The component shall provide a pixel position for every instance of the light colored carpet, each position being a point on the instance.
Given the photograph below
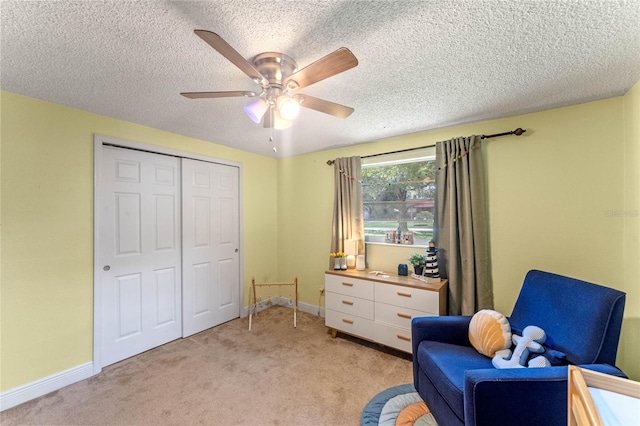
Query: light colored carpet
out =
(273, 375)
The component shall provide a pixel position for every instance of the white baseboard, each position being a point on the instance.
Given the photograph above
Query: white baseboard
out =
(262, 305)
(284, 301)
(24, 393)
(311, 309)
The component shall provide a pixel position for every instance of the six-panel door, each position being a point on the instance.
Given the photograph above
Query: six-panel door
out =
(211, 271)
(140, 252)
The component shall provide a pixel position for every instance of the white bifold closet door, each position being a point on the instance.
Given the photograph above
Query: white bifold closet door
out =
(140, 252)
(210, 231)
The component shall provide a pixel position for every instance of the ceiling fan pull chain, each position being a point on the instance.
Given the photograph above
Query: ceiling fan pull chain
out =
(273, 141)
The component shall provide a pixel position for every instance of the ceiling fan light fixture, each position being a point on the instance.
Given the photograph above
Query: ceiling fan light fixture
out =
(279, 122)
(256, 109)
(277, 74)
(288, 107)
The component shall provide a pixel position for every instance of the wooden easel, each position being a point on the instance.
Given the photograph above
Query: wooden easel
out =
(253, 302)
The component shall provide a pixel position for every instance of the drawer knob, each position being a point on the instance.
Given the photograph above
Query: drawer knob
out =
(348, 321)
(347, 302)
(403, 337)
(347, 284)
(404, 294)
(403, 315)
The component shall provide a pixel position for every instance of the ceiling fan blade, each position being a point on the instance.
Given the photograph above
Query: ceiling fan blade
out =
(267, 120)
(325, 67)
(203, 95)
(321, 105)
(218, 43)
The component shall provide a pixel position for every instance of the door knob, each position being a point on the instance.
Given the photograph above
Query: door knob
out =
(236, 250)
(106, 268)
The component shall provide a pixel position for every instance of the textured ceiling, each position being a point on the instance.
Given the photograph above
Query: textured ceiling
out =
(422, 64)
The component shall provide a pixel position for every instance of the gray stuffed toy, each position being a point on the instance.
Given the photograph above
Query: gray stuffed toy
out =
(530, 342)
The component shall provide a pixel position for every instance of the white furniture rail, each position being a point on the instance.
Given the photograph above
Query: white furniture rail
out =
(597, 399)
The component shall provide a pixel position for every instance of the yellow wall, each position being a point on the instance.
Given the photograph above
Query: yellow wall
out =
(630, 346)
(549, 194)
(47, 229)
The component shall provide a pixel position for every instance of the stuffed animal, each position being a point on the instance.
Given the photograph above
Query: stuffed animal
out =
(530, 342)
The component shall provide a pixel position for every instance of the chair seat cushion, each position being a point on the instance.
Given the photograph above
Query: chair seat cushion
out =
(445, 364)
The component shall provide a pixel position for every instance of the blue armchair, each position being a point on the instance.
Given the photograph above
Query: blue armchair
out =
(461, 387)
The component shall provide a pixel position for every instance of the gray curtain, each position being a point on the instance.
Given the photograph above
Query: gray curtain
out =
(461, 225)
(348, 221)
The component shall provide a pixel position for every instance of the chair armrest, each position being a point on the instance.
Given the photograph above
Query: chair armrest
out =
(520, 396)
(448, 329)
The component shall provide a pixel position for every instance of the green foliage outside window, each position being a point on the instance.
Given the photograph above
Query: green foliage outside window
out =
(399, 196)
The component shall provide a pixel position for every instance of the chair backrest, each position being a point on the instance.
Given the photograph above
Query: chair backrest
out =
(581, 319)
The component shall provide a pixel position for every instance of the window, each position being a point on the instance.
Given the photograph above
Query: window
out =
(399, 196)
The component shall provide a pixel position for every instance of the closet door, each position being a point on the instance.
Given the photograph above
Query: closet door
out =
(211, 271)
(140, 252)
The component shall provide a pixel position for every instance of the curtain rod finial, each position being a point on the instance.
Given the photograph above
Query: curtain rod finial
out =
(330, 162)
(516, 132)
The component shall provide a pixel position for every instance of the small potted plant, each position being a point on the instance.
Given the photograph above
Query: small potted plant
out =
(418, 261)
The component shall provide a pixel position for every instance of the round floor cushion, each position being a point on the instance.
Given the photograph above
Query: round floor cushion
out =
(399, 405)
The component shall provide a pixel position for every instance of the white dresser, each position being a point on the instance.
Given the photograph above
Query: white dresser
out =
(377, 308)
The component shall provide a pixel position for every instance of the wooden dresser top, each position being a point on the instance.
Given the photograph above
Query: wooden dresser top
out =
(391, 279)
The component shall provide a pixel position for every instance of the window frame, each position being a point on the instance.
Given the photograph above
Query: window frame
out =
(419, 155)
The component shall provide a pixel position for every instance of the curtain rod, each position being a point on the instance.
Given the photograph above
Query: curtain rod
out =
(516, 132)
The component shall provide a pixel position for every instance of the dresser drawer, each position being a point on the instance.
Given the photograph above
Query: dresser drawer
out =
(408, 297)
(350, 324)
(394, 337)
(348, 286)
(397, 315)
(349, 305)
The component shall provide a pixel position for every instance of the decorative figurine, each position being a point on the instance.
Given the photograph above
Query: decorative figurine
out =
(403, 270)
(431, 268)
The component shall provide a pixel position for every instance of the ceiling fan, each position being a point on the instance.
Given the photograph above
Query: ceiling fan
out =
(279, 78)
